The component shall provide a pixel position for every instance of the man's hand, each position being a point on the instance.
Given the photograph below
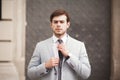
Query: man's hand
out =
(52, 62)
(63, 49)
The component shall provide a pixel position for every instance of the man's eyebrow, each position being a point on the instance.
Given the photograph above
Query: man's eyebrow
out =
(58, 20)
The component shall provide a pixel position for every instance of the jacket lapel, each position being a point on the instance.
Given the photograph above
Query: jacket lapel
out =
(69, 44)
(50, 50)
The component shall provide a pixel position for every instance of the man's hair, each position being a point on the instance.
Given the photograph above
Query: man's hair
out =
(59, 12)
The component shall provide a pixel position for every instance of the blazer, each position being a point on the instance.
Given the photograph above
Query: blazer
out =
(74, 68)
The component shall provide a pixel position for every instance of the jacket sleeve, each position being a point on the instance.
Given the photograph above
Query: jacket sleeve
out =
(36, 69)
(80, 64)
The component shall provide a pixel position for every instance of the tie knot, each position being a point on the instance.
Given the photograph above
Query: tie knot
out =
(60, 41)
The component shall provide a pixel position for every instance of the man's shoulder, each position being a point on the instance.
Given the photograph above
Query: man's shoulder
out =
(46, 41)
(75, 40)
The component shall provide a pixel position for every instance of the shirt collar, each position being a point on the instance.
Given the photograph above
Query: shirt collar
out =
(64, 38)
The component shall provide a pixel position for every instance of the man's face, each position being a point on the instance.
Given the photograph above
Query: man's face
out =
(60, 25)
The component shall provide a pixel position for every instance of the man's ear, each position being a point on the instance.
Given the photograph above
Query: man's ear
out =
(68, 24)
(50, 25)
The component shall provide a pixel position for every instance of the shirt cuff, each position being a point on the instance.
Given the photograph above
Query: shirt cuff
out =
(43, 70)
(68, 56)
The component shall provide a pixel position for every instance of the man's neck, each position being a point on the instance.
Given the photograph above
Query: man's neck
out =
(60, 36)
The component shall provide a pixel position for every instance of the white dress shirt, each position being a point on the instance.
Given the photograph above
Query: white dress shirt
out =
(55, 43)
(55, 50)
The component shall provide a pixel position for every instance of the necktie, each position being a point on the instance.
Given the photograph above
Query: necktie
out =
(59, 52)
(60, 62)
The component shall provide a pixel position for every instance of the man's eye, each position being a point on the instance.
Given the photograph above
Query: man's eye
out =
(61, 21)
(55, 21)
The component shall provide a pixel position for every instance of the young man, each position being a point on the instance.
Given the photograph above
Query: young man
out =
(60, 57)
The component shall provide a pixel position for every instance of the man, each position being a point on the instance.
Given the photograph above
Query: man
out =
(60, 57)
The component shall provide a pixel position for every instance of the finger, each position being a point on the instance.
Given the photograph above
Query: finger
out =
(59, 47)
(55, 61)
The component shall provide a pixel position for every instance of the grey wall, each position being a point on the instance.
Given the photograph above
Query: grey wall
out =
(90, 22)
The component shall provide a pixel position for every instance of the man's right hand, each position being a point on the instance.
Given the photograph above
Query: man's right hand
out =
(52, 62)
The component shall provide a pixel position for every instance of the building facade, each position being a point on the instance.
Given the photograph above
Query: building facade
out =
(18, 38)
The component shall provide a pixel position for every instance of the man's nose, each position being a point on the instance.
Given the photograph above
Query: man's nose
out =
(58, 24)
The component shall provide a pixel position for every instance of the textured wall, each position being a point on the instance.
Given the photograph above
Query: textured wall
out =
(90, 22)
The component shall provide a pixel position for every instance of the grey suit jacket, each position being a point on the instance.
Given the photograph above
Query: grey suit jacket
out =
(76, 67)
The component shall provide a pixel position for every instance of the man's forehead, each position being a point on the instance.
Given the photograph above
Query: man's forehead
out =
(61, 17)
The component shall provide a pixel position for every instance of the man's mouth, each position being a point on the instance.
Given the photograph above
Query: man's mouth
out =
(58, 29)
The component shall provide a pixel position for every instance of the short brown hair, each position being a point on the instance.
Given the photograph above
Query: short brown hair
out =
(58, 13)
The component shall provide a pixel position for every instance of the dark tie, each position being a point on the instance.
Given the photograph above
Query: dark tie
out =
(60, 62)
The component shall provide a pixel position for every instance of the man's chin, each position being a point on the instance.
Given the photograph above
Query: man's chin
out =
(59, 34)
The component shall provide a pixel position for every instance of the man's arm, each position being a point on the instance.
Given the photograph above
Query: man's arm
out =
(36, 69)
(79, 64)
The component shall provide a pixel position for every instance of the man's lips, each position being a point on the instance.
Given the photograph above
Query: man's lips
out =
(58, 29)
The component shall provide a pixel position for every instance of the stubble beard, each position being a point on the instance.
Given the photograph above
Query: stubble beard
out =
(59, 35)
